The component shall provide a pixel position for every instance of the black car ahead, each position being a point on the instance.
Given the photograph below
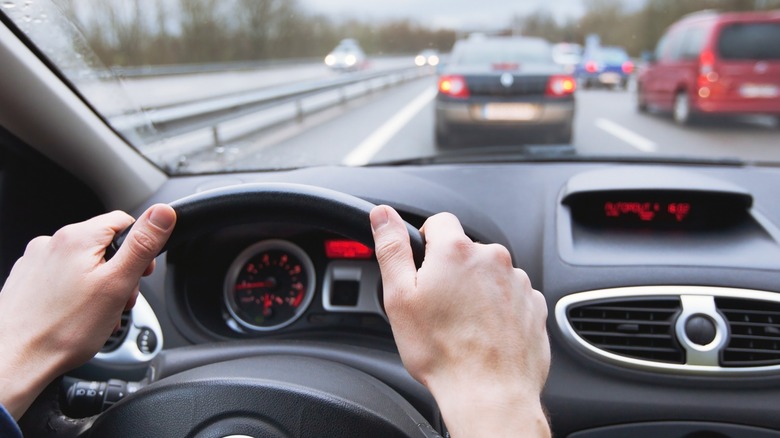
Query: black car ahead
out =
(504, 90)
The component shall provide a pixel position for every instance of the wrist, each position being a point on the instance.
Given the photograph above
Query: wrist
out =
(480, 408)
(24, 373)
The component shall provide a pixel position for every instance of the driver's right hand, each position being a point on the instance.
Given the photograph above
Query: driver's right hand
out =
(468, 326)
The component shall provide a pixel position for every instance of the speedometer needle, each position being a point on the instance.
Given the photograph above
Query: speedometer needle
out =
(254, 285)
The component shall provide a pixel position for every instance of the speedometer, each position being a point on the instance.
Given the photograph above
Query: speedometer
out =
(269, 285)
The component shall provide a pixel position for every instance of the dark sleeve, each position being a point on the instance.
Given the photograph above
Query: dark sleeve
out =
(8, 426)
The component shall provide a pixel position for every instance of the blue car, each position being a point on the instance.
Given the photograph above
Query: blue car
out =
(605, 67)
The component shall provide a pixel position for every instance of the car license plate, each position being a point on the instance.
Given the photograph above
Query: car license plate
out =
(609, 78)
(759, 91)
(510, 111)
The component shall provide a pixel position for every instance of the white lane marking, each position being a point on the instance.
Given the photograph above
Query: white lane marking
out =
(373, 144)
(628, 136)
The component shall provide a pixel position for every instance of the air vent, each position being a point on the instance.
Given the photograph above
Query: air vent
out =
(755, 332)
(635, 328)
(116, 339)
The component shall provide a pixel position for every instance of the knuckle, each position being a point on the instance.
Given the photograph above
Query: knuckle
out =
(143, 244)
(37, 244)
(65, 236)
(462, 245)
(540, 305)
(500, 254)
(524, 280)
(388, 250)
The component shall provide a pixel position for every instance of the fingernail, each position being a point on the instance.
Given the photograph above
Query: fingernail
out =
(161, 218)
(379, 218)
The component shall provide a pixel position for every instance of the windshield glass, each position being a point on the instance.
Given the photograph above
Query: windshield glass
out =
(513, 51)
(750, 41)
(203, 86)
(612, 55)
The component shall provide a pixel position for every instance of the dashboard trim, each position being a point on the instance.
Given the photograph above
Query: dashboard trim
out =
(366, 273)
(128, 353)
(686, 294)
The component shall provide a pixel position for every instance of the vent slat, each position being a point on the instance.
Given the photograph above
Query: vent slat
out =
(624, 335)
(619, 321)
(755, 332)
(774, 338)
(633, 349)
(751, 312)
(755, 351)
(753, 324)
(640, 329)
(115, 340)
(632, 309)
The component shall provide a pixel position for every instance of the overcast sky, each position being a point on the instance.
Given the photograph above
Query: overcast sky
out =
(460, 14)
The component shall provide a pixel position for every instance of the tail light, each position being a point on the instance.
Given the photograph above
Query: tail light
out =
(454, 86)
(591, 67)
(560, 86)
(707, 74)
(706, 62)
(627, 67)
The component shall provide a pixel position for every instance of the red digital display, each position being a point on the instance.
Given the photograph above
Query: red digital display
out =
(648, 211)
(347, 249)
(666, 210)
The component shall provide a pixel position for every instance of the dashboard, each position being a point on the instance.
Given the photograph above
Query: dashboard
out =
(661, 280)
(672, 273)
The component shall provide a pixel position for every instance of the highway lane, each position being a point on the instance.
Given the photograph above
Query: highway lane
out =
(600, 111)
(398, 124)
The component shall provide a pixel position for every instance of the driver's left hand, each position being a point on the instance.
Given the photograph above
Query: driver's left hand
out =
(62, 300)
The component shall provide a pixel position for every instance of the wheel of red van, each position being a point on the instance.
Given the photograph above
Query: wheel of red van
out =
(641, 103)
(681, 111)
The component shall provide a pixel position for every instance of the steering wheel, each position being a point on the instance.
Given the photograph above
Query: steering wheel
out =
(262, 388)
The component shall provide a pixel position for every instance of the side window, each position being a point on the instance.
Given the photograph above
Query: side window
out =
(674, 46)
(660, 49)
(668, 48)
(692, 43)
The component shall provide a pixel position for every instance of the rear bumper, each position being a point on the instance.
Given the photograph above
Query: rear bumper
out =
(466, 122)
(604, 78)
(473, 113)
(769, 106)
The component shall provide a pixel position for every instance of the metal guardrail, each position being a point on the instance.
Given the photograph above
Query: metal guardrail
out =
(174, 132)
(188, 69)
(219, 67)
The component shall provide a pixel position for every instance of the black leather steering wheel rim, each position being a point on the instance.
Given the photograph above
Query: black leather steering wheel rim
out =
(298, 204)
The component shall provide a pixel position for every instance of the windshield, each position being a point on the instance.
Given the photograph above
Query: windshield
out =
(750, 41)
(612, 55)
(205, 86)
(512, 51)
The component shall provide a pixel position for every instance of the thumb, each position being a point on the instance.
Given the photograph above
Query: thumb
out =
(145, 240)
(393, 252)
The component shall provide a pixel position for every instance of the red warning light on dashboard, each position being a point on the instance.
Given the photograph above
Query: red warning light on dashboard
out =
(347, 249)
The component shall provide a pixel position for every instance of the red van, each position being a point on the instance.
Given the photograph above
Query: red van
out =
(715, 63)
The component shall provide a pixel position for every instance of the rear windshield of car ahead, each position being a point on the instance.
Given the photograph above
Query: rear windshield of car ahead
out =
(613, 56)
(504, 53)
(753, 41)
